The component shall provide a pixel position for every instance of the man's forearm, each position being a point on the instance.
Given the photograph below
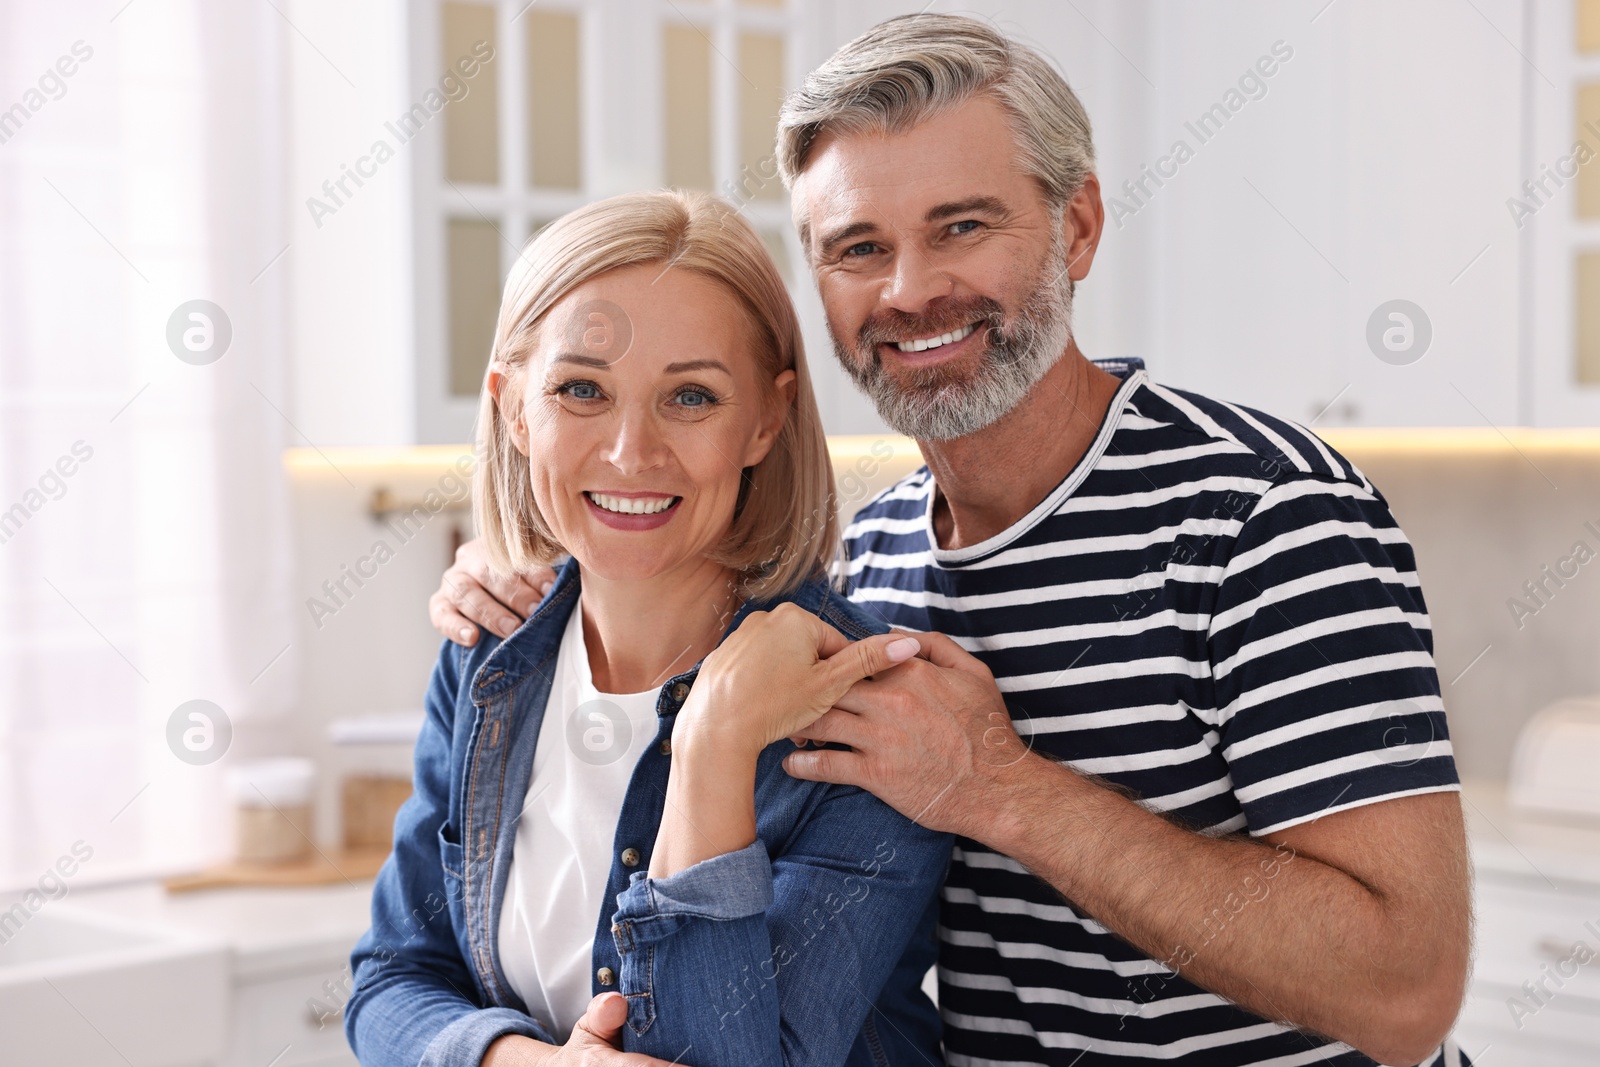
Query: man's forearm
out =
(1277, 932)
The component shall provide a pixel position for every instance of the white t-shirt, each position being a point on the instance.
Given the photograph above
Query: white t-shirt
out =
(588, 745)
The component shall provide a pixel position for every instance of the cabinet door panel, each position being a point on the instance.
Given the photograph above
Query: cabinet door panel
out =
(292, 1021)
(1536, 980)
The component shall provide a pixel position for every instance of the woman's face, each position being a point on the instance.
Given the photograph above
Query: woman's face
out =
(638, 410)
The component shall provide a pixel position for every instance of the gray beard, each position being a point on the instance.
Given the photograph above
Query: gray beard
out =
(939, 404)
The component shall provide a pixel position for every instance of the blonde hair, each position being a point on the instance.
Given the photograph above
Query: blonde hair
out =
(905, 69)
(784, 530)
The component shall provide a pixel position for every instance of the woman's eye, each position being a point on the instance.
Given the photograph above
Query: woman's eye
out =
(695, 398)
(580, 390)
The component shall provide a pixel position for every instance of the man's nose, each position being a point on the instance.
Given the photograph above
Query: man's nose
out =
(638, 445)
(915, 282)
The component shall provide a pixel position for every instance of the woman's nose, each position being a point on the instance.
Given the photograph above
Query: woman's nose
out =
(638, 445)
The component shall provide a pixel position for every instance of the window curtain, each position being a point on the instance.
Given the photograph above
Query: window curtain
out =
(144, 548)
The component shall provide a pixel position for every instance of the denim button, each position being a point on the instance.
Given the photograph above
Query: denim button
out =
(680, 692)
(666, 746)
(630, 857)
(606, 977)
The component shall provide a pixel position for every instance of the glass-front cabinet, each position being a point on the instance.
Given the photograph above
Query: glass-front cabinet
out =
(552, 104)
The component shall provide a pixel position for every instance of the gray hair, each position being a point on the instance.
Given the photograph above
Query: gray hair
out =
(906, 69)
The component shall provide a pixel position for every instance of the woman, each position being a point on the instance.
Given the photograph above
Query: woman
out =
(600, 806)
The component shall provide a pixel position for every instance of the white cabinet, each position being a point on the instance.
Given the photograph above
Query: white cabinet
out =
(1535, 994)
(1536, 984)
(1558, 218)
(291, 1018)
(286, 971)
(1371, 166)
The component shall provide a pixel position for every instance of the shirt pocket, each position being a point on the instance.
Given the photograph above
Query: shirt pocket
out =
(452, 862)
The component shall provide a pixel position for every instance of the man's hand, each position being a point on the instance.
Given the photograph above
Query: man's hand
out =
(1362, 934)
(469, 594)
(928, 738)
(595, 1042)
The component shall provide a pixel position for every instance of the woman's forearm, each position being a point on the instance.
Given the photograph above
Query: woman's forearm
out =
(514, 1050)
(710, 807)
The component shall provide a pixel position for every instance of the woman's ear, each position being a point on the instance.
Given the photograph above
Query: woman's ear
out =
(774, 414)
(508, 401)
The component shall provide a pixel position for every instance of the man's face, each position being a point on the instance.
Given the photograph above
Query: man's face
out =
(942, 267)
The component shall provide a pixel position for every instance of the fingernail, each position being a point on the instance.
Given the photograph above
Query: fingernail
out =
(903, 649)
(544, 590)
(508, 625)
(466, 633)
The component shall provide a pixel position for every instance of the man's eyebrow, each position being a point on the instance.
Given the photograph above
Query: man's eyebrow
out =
(985, 205)
(844, 233)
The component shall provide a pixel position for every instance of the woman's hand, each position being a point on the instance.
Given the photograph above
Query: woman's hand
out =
(595, 1042)
(776, 675)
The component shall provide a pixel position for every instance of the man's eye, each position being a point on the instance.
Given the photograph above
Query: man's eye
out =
(964, 226)
(865, 248)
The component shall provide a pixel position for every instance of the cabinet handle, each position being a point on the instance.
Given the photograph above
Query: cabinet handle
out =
(1554, 950)
(321, 1020)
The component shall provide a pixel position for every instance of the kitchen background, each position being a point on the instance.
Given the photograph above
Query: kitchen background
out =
(250, 256)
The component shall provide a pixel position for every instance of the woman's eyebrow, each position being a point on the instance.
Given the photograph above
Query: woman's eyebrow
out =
(586, 361)
(699, 364)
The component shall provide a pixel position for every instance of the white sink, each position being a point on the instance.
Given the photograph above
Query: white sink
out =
(85, 990)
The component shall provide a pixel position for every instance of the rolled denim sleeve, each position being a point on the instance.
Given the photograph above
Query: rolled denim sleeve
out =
(777, 957)
(731, 886)
(413, 998)
(464, 1042)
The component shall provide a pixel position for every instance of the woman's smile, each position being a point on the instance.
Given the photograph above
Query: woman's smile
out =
(632, 511)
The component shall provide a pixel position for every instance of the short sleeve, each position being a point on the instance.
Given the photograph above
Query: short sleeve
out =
(1322, 657)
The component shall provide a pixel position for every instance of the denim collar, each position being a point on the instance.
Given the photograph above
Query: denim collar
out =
(532, 647)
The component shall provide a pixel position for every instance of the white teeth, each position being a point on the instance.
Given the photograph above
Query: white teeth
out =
(935, 342)
(624, 505)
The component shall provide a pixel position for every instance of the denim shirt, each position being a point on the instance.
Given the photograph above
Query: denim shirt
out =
(806, 948)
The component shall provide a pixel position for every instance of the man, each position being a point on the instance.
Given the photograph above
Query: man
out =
(1186, 720)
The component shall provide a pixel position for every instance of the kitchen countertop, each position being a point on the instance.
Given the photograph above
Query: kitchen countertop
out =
(1510, 842)
(269, 930)
(276, 930)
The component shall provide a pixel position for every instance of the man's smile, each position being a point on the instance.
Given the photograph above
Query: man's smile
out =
(922, 344)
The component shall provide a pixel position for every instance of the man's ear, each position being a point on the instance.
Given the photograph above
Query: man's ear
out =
(508, 401)
(1083, 220)
(774, 414)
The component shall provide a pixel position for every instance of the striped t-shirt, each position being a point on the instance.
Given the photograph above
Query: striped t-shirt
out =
(1214, 610)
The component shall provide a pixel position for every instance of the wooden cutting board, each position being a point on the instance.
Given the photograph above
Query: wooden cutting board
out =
(324, 867)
